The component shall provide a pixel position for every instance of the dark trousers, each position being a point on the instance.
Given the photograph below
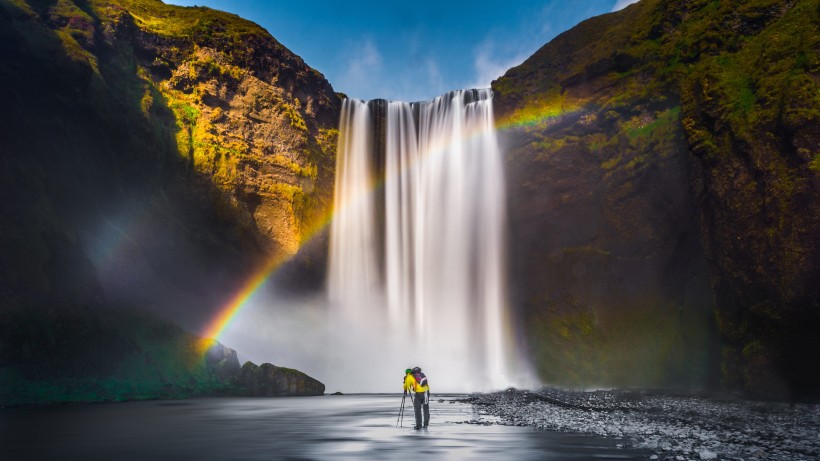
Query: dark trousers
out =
(421, 401)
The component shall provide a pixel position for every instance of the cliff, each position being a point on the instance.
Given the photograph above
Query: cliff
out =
(79, 355)
(663, 166)
(190, 132)
(268, 380)
(152, 156)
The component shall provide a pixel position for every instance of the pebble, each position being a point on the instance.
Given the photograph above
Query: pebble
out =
(673, 426)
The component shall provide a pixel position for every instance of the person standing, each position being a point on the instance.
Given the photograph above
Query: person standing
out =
(416, 383)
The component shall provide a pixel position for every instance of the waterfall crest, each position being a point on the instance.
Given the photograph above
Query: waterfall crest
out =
(416, 269)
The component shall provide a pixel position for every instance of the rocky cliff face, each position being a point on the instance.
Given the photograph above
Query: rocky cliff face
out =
(250, 115)
(151, 156)
(663, 172)
(184, 136)
(268, 380)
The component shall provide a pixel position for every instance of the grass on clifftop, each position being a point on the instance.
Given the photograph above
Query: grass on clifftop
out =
(189, 22)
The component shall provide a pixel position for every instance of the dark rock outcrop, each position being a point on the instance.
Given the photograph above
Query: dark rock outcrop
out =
(664, 176)
(222, 361)
(268, 380)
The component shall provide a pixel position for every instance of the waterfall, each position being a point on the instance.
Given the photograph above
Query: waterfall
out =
(416, 268)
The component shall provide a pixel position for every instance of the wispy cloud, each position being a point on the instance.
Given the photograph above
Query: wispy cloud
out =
(434, 77)
(491, 61)
(416, 63)
(502, 49)
(621, 4)
(363, 64)
(418, 82)
(369, 74)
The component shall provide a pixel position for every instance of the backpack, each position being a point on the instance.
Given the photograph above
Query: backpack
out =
(421, 380)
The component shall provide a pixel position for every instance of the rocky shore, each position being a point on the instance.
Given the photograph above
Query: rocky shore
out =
(674, 426)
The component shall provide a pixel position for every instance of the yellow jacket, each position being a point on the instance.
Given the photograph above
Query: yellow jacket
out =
(410, 384)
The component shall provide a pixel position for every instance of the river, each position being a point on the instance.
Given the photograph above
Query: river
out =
(349, 427)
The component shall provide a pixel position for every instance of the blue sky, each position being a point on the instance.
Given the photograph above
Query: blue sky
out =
(412, 50)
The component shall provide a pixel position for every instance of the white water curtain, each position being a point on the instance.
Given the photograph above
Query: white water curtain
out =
(435, 295)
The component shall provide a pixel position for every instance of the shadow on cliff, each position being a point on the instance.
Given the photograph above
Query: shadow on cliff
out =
(688, 172)
(103, 214)
(606, 268)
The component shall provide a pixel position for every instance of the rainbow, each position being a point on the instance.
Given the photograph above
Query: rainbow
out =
(526, 117)
(257, 280)
(246, 292)
(535, 115)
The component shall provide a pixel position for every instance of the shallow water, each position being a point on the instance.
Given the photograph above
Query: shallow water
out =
(350, 427)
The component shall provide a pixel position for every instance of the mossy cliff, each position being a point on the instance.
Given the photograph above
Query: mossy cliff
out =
(82, 355)
(150, 102)
(663, 166)
(151, 156)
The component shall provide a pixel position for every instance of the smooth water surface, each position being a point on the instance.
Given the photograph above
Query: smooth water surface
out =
(350, 427)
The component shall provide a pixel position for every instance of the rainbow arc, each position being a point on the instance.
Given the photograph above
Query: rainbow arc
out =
(527, 117)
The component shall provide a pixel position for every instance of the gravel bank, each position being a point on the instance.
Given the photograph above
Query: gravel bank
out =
(676, 427)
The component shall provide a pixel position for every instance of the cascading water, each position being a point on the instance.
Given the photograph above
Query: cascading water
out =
(416, 272)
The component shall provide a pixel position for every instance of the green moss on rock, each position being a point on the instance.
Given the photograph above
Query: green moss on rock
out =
(728, 93)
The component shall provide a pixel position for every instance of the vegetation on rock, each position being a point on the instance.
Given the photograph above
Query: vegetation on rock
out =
(77, 355)
(151, 154)
(668, 130)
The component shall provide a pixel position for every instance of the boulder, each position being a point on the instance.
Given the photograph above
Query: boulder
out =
(268, 380)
